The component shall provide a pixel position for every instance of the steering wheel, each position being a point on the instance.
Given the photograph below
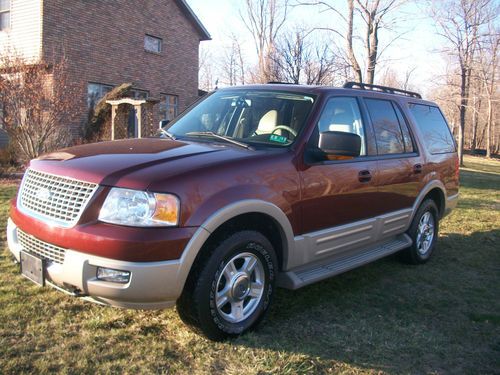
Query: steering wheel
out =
(284, 127)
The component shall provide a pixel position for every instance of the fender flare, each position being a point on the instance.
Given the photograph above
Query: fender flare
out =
(220, 217)
(426, 189)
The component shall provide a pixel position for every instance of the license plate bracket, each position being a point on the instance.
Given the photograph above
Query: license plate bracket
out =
(33, 268)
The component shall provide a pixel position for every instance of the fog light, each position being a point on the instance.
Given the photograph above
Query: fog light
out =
(114, 276)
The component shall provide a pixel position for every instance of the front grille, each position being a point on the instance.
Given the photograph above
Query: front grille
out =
(43, 249)
(59, 199)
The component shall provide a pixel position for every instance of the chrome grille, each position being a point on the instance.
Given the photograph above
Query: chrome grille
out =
(59, 199)
(43, 249)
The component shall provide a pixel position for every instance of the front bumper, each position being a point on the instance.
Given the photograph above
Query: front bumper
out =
(152, 285)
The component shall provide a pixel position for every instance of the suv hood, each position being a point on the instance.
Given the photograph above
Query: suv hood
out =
(114, 163)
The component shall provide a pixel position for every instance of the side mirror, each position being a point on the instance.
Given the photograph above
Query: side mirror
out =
(334, 143)
(163, 123)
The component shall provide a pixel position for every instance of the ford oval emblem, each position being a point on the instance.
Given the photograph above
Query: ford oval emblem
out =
(44, 194)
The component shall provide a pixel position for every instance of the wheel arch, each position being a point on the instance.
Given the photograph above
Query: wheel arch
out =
(250, 214)
(434, 190)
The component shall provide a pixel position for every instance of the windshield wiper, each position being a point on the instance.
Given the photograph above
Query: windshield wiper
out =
(222, 137)
(166, 133)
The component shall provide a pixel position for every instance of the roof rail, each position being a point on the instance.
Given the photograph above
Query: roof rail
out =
(279, 83)
(388, 90)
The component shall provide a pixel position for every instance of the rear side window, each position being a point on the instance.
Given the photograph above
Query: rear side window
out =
(435, 131)
(386, 126)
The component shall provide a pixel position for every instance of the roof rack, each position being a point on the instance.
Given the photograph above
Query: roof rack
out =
(279, 83)
(388, 90)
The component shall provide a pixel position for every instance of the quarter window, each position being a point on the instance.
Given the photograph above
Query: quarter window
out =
(169, 106)
(388, 133)
(152, 44)
(436, 134)
(342, 114)
(4, 15)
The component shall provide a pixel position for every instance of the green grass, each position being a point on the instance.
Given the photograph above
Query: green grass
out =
(386, 317)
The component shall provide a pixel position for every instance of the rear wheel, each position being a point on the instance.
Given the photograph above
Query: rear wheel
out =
(423, 232)
(230, 288)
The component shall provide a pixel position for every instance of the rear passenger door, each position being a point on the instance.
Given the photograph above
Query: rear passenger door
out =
(399, 164)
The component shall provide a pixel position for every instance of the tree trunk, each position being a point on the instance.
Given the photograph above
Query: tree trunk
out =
(463, 109)
(350, 48)
(372, 51)
(488, 129)
(473, 142)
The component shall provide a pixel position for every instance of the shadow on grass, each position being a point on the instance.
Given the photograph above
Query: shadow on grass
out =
(440, 317)
(479, 180)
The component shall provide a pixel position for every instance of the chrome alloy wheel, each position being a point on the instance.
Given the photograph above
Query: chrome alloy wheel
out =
(240, 287)
(425, 233)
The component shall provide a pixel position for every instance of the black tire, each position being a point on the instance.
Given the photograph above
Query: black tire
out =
(197, 305)
(417, 253)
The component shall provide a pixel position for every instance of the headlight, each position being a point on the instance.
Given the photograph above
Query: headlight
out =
(140, 208)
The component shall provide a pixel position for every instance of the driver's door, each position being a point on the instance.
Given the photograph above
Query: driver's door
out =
(339, 196)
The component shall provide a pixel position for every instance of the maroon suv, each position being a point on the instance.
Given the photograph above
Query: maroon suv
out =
(254, 187)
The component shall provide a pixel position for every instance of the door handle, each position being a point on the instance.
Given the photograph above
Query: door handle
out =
(364, 176)
(417, 168)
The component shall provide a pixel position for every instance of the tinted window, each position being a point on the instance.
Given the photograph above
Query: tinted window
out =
(430, 120)
(343, 115)
(265, 117)
(386, 126)
(404, 129)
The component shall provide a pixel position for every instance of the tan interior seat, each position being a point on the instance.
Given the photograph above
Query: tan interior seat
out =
(268, 122)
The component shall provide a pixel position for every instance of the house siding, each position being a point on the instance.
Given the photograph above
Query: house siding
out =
(24, 37)
(104, 43)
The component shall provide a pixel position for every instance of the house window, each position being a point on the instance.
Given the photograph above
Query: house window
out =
(169, 106)
(95, 91)
(4, 15)
(139, 94)
(152, 44)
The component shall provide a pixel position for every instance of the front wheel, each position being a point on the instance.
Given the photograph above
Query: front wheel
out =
(423, 232)
(230, 288)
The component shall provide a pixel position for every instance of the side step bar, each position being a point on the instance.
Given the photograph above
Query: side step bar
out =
(305, 276)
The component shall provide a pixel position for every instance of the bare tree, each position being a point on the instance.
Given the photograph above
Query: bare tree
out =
(393, 79)
(206, 69)
(233, 67)
(460, 22)
(323, 67)
(488, 57)
(374, 14)
(38, 103)
(293, 54)
(264, 19)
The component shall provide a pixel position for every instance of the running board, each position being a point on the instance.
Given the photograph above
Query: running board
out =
(305, 276)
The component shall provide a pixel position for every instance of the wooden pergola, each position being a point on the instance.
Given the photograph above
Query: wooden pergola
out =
(143, 117)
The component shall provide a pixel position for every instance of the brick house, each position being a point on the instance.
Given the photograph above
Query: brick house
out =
(153, 44)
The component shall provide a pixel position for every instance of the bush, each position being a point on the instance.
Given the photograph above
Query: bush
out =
(38, 103)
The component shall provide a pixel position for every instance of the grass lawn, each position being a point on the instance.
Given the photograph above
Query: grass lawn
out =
(387, 317)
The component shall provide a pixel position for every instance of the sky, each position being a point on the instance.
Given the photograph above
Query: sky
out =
(416, 46)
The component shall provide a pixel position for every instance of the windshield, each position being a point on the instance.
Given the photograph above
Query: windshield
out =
(250, 116)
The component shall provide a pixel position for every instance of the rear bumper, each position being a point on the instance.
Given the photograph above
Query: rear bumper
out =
(152, 285)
